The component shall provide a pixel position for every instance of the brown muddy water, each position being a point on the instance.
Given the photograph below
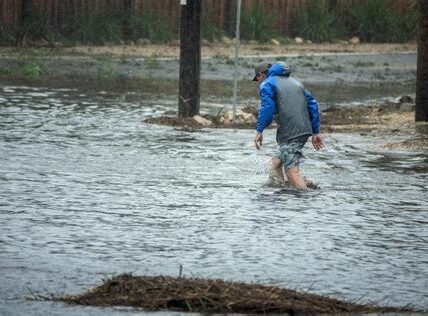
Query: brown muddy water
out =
(87, 190)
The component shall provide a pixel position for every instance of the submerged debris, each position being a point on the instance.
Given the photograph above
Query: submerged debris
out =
(244, 118)
(395, 118)
(211, 296)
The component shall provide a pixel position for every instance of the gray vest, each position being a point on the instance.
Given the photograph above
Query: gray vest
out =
(292, 114)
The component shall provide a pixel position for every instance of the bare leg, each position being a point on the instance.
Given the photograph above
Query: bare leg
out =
(295, 179)
(277, 168)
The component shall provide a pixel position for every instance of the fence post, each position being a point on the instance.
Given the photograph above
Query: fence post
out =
(190, 57)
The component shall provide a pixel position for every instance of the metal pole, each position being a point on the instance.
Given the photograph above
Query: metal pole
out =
(235, 76)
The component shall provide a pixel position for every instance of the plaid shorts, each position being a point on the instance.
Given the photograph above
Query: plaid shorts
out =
(291, 152)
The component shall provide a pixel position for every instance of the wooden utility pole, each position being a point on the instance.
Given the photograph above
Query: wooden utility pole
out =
(190, 57)
(421, 109)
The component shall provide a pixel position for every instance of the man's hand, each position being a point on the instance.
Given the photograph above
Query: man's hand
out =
(258, 140)
(317, 142)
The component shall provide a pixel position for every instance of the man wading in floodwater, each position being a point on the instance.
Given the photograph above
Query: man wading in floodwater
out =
(297, 117)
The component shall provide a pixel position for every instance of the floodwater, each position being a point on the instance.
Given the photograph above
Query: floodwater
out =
(87, 190)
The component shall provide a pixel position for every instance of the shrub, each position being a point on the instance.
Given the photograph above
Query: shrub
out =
(209, 31)
(378, 21)
(316, 23)
(37, 25)
(99, 29)
(6, 35)
(154, 26)
(257, 24)
(371, 20)
(407, 21)
(31, 70)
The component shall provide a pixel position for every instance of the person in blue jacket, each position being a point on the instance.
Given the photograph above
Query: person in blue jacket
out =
(297, 116)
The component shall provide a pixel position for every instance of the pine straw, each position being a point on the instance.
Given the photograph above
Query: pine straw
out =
(211, 296)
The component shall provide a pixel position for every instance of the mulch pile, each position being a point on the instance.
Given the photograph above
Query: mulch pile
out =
(211, 296)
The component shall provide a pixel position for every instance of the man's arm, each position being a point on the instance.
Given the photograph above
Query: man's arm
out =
(314, 116)
(266, 112)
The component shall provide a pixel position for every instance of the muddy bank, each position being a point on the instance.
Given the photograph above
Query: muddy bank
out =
(390, 119)
(313, 64)
(213, 296)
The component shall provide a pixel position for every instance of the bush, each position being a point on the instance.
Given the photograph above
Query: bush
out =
(407, 24)
(31, 70)
(154, 26)
(99, 29)
(209, 31)
(370, 20)
(257, 24)
(37, 25)
(316, 23)
(378, 21)
(6, 35)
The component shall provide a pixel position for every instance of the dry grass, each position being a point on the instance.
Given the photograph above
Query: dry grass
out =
(220, 49)
(211, 296)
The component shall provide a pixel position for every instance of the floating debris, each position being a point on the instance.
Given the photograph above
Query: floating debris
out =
(155, 293)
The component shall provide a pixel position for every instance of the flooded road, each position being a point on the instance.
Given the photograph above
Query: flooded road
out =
(88, 190)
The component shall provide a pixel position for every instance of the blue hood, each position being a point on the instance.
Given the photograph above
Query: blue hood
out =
(279, 69)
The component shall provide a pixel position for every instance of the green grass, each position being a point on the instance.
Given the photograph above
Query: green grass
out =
(105, 69)
(152, 63)
(31, 70)
(5, 71)
(363, 64)
(262, 48)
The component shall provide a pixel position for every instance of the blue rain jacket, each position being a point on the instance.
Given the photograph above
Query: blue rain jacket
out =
(285, 96)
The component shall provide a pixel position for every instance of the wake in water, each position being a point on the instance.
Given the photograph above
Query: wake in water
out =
(263, 165)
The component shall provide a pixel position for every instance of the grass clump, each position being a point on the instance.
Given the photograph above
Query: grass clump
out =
(210, 31)
(106, 70)
(99, 29)
(316, 23)
(370, 20)
(7, 36)
(258, 24)
(378, 21)
(153, 26)
(31, 66)
(31, 70)
(152, 63)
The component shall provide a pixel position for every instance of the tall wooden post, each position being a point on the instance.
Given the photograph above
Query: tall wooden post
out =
(190, 57)
(421, 110)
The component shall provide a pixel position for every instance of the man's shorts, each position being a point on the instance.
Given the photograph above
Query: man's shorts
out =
(291, 152)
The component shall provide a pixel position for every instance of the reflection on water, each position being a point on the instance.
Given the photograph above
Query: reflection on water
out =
(88, 190)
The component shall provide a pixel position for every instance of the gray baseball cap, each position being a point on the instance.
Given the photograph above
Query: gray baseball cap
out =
(262, 67)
